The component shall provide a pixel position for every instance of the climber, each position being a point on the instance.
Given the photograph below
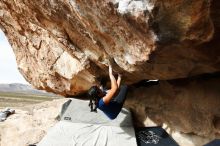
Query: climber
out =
(108, 101)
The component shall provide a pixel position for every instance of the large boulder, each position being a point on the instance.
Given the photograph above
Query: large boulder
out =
(64, 46)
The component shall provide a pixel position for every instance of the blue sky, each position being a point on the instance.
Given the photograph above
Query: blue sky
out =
(8, 67)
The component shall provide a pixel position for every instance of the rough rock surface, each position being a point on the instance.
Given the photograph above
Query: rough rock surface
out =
(190, 106)
(64, 46)
(29, 124)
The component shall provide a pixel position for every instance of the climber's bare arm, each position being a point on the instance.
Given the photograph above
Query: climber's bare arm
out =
(119, 80)
(113, 89)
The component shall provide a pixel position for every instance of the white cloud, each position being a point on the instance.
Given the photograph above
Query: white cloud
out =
(8, 67)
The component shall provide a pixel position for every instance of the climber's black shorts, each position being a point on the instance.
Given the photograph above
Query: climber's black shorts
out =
(120, 98)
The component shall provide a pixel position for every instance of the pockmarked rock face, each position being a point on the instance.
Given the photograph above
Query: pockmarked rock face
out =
(64, 46)
(186, 105)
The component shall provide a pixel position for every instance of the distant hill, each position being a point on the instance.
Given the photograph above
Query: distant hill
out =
(22, 88)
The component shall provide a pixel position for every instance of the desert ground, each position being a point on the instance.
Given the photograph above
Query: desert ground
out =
(19, 100)
(34, 115)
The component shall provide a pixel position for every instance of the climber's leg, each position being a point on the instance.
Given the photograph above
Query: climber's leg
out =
(120, 98)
